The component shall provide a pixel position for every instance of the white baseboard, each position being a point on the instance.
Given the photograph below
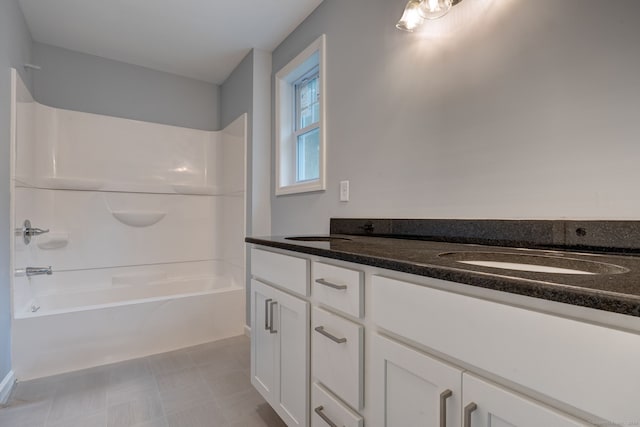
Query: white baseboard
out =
(6, 386)
(247, 330)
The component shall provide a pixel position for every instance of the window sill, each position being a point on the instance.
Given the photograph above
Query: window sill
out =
(305, 187)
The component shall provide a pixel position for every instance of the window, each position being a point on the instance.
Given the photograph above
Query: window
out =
(307, 128)
(300, 147)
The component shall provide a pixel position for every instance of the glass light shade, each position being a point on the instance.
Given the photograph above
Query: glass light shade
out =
(434, 9)
(411, 18)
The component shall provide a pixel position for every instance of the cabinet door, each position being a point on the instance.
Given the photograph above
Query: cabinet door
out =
(280, 351)
(488, 405)
(263, 342)
(412, 389)
(291, 321)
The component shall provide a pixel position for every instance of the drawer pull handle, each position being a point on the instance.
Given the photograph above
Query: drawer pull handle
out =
(467, 413)
(326, 419)
(443, 407)
(271, 305)
(331, 285)
(266, 314)
(333, 338)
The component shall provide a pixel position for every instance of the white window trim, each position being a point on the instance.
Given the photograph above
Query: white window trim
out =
(285, 116)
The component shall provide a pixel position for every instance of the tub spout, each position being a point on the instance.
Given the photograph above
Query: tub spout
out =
(37, 271)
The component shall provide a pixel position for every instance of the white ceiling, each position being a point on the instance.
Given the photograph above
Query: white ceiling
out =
(200, 39)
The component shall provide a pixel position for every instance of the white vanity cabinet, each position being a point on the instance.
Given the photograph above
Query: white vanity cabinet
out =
(361, 346)
(280, 340)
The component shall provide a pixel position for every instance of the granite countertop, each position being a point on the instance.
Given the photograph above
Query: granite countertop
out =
(616, 290)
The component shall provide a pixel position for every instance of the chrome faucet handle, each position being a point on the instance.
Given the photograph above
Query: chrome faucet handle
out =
(27, 231)
(36, 231)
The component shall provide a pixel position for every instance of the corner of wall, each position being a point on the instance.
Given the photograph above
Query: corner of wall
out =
(261, 144)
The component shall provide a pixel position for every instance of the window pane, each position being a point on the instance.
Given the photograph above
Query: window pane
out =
(308, 102)
(308, 156)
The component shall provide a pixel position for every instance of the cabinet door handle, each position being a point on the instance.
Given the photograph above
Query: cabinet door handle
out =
(467, 413)
(266, 314)
(271, 305)
(443, 406)
(333, 338)
(331, 285)
(326, 419)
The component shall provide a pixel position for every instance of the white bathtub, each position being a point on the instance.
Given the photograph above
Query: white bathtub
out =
(84, 328)
(117, 295)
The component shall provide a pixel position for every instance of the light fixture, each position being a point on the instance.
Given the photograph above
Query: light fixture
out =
(434, 9)
(411, 18)
(417, 11)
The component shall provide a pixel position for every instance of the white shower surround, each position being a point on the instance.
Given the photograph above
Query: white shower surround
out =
(147, 224)
(82, 151)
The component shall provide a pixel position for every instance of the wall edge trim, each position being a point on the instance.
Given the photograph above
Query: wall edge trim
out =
(6, 386)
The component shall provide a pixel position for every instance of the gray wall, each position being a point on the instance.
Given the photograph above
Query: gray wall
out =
(248, 90)
(236, 93)
(502, 109)
(15, 50)
(76, 81)
(261, 145)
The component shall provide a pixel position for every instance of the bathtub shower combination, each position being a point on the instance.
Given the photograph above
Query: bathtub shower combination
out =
(142, 225)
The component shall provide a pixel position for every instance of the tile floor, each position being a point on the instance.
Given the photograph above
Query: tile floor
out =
(203, 386)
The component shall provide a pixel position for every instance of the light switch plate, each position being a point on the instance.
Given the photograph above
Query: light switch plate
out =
(344, 191)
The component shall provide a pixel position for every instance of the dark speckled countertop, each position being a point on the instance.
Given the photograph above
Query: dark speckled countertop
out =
(616, 291)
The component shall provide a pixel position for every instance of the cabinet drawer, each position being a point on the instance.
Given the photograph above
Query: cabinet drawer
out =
(333, 411)
(337, 355)
(288, 272)
(339, 288)
(557, 357)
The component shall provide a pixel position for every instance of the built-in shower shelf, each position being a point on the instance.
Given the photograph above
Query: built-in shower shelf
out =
(59, 183)
(70, 183)
(138, 218)
(195, 189)
(207, 190)
(53, 240)
(82, 184)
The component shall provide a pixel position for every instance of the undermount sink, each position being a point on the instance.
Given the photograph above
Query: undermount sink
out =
(534, 263)
(316, 238)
